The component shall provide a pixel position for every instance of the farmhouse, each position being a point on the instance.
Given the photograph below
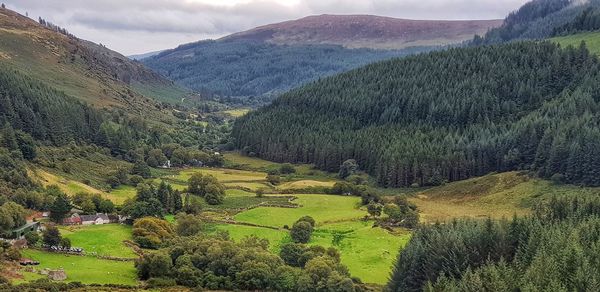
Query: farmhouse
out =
(94, 219)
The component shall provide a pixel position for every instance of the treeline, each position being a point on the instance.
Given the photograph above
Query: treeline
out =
(258, 70)
(443, 116)
(43, 112)
(55, 28)
(588, 20)
(537, 19)
(48, 115)
(219, 263)
(556, 249)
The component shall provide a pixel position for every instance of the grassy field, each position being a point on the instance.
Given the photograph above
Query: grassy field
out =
(592, 41)
(105, 240)
(233, 203)
(306, 171)
(237, 232)
(323, 208)
(72, 187)
(236, 113)
(301, 184)
(85, 269)
(222, 174)
(253, 186)
(122, 193)
(368, 252)
(495, 195)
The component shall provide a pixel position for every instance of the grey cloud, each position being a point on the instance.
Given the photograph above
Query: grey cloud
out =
(136, 26)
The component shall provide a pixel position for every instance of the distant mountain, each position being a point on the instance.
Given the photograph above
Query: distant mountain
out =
(367, 31)
(144, 56)
(82, 69)
(256, 65)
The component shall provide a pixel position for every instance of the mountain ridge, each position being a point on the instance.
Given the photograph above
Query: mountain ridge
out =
(254, 66)
(366, 31)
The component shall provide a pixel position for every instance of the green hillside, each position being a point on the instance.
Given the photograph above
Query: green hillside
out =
(81, 69)
(442, 116)
(591, 39)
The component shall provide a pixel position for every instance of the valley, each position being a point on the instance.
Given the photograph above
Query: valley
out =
(331, 152)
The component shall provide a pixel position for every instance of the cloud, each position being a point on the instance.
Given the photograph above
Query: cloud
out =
(137, 26)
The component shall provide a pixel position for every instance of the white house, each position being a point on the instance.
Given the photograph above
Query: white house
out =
(97, 219)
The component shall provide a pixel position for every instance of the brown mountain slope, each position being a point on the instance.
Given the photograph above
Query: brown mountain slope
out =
(367, 31)
(80, 68)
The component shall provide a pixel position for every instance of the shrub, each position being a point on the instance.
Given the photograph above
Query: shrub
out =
(291, 252)
(287, 168)
(32, 238)
(134, 180)
(188, 225)
(65, 242)
(51, 236)
(160, 282)
(149, 232)
(208, 187)
(13, 254)
(301, 232)
(308, 219)
(274, 179)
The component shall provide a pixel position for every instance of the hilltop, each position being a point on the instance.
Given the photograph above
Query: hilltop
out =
(367, 31)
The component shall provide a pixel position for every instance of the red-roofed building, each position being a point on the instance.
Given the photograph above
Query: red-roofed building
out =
(75, 220)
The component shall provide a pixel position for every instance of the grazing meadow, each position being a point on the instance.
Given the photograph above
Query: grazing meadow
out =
(84, 269)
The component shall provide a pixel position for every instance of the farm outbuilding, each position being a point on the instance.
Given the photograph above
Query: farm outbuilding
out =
(19, 233)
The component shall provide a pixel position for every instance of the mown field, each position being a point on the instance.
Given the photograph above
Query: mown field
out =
(84, 269)
(104, 240)
(323, 208)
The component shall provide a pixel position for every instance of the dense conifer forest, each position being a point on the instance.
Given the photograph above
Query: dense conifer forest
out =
(43, 112)
(255, 69)
(556, 249)
(443, 116)
(537, 19)
(588, 20)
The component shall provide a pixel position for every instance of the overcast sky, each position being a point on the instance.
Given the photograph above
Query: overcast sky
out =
(140, 26)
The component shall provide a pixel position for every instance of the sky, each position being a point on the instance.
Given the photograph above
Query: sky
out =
(141, 26)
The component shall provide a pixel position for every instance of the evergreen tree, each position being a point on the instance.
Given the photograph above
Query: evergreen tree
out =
(60, 208)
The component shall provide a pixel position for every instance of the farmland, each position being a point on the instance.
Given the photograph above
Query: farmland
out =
(84, 269)
(104, 240)
(368, 252)
(323, 208)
